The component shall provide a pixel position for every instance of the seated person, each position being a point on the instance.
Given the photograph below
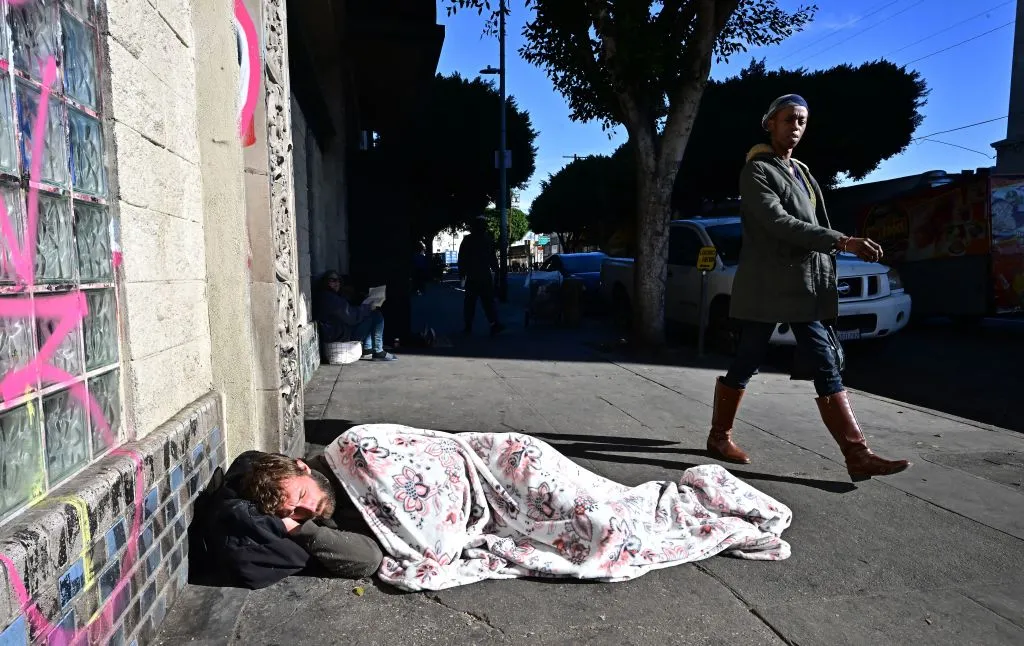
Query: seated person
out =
(340, 320)
(271, 516)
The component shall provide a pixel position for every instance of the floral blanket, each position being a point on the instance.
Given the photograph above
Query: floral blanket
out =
(456, 509)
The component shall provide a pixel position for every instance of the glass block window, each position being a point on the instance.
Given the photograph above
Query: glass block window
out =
(60, 387)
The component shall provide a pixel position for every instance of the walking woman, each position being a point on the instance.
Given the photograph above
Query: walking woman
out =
(787, 274)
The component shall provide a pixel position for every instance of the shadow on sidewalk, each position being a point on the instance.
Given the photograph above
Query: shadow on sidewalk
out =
(320, 433)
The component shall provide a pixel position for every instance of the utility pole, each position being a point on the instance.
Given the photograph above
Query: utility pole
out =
(1010, 151)
(502, 162)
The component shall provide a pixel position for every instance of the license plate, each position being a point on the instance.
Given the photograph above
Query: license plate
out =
(848, 335)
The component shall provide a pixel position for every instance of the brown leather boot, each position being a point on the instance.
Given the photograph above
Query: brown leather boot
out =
(861, 463)
(720, 444)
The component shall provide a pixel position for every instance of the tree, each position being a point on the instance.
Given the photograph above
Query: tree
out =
(518, 224)
(451, 152)
(586, 201)
(842, 136)
(644, 64)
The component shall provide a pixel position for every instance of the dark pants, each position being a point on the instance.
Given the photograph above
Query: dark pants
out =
(482, 289)
(811, 338)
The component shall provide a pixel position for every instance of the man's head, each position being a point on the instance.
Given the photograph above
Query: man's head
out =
(332, 280)
(288, 488)
(786, 121)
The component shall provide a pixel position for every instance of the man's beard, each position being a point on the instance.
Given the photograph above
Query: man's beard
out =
(327, 504)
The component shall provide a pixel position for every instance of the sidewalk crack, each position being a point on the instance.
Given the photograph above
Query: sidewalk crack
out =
(482, 618)
(746, 604)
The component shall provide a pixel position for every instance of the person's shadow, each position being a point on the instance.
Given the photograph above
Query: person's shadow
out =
(597, 447)
(320, 433)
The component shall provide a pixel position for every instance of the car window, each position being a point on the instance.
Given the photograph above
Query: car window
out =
(583, 263)
(683, 246)
(728, 240)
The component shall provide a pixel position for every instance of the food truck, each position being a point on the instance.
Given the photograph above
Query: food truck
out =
(958, 243)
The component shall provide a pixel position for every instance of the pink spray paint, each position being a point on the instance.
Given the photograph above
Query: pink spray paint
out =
(68, 310)
(246, 129)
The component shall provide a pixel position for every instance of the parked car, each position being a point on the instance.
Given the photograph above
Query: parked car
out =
(584, 266)
(872, 301)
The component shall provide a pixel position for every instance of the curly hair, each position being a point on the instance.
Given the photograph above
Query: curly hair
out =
(262, 484)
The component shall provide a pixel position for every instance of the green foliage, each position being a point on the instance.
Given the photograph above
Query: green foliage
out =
(595, 51)
(859, 116)
(518, 225)
(451, 152)
(644, 64)
(588, 200)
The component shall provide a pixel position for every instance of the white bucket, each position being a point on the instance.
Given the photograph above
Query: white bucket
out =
(343, 352)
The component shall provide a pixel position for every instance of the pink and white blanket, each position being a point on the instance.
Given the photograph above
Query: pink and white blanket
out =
(456, 509)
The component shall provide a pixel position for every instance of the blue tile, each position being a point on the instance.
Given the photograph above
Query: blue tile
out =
(175, 560)
(108, 580)
(64, 632)
(116, 538)
(197, 454)
(16, 634)
(153, 560)
(171, 511)
(152, 502)
(146, 540)
(215, 436)
(116, 637)
(148, 597)
(71, 583)
(134, 643)
(177, 478)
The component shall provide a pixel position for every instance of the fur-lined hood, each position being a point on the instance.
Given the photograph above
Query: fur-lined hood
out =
(765, 150)
(760, 149)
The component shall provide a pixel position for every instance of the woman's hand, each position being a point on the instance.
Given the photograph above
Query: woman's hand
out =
(864, 248)
(291, 525)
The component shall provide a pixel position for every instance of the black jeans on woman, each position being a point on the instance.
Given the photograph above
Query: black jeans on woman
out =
(811, 338)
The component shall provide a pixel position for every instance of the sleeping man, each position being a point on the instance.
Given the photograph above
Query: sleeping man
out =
(271, 516)
(452, 509)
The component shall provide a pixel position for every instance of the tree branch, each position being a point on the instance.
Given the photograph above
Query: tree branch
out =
(635, 121)
(711, 18)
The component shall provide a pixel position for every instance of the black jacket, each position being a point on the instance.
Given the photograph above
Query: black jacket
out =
(231, 542)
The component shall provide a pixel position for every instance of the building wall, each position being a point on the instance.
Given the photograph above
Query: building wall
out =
(307, 165)
(164, 298)
(101, 556)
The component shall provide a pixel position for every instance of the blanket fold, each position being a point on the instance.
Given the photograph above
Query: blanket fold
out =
(456, 509)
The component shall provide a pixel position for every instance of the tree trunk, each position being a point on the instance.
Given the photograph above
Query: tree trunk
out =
(654, 196)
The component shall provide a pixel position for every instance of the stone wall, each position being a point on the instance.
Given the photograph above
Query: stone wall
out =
(152, 102)
(103, 558)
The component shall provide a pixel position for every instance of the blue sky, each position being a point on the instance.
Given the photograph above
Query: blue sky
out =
(969, 82)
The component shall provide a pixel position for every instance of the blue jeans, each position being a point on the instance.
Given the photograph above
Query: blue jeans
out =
(812, 338)
(371, 332)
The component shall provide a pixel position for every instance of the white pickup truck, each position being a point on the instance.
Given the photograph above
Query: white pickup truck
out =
(872, 302)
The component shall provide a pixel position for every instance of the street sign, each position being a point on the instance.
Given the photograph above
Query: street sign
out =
(706, 258)
(543, 240)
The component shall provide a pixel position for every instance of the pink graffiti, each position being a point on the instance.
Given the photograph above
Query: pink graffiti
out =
(67, 311)
(246, 125)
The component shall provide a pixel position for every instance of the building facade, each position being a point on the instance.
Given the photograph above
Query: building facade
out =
(173, 174)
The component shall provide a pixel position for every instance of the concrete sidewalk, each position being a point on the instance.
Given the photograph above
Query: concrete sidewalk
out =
(930, 556)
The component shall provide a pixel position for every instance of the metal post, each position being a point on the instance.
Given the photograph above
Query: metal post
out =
(702, 321)
(502, 163)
